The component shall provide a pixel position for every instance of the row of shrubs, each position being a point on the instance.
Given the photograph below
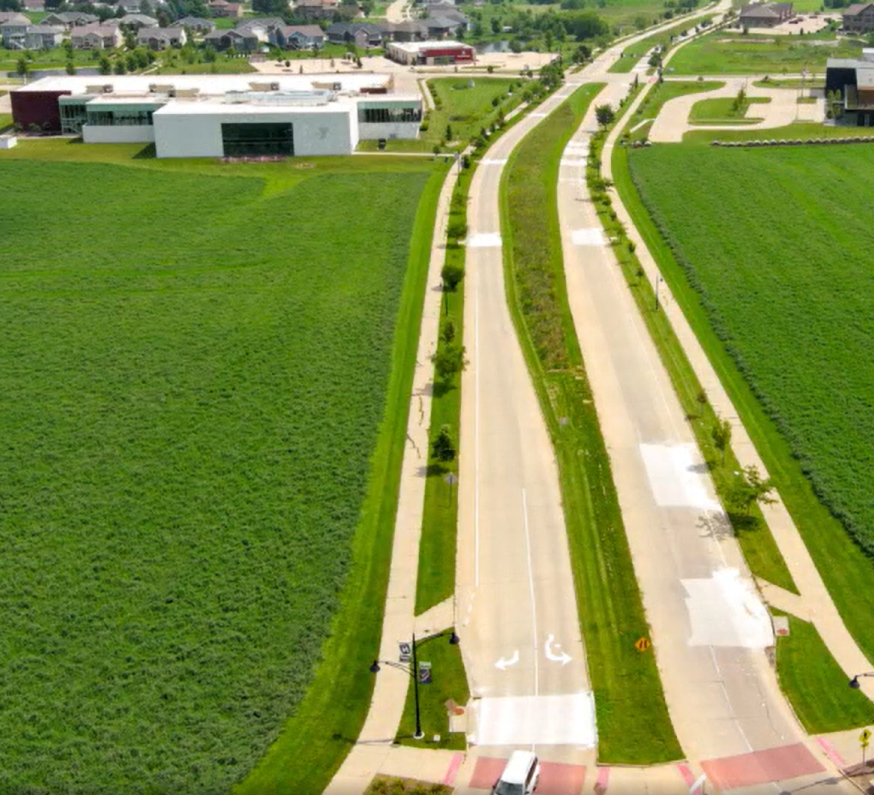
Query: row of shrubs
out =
(866, 139)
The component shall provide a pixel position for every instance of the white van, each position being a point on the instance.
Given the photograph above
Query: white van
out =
(519, 776)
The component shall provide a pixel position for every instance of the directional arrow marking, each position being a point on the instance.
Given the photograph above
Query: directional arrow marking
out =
(563, 657)
(505, 664)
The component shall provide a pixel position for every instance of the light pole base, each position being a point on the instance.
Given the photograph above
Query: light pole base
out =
(419, 736)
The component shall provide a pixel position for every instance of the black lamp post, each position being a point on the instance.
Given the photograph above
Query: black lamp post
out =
(414, 672)
(855, 683)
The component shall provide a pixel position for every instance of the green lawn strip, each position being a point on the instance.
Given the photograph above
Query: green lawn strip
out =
(791, 82)
(816, 686)
(758, 545)
(5, 121)
(448, 683)
(634, 52)
(655, 99)
(725, 110)
(633, 722)
(437, 546)
(317, 738)
(843, 566)
(804, 131)
(726, 53)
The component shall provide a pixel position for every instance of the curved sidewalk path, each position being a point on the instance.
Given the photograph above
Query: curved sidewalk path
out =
(815, 603)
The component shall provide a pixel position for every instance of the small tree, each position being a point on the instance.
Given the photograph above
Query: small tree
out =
(748, 488)
(701, 397)
(22, 67)
(447, 330)
(605, 115)
(105, 66)
(721, 434)
(448, 361)
(443, 447)
(71, 68)
(452, 274)
(457, 229)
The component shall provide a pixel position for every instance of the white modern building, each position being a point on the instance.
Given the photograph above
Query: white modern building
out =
(222, 115)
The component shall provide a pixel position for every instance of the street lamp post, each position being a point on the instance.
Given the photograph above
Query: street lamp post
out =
(855, 683)
(414, 672)
(658, 281)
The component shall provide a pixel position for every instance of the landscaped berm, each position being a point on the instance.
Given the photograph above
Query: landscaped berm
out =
(201, 409)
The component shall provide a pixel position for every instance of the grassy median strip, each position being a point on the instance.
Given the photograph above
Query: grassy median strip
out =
(815, 685)
(438, 544)
(633, 721)
(316, 740)
(757, 543)
(448, 687)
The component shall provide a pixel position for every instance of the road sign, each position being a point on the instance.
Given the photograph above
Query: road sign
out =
(405, 651)
(864, 737)
(642, 644)
(424, 673)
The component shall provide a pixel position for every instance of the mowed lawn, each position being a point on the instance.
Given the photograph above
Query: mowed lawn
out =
(775, 242)
(193, 374)
(726, 53)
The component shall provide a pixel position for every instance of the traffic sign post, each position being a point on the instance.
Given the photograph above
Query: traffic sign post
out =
(864, 739)
(404, 651)
(424, 673)
(642, 644)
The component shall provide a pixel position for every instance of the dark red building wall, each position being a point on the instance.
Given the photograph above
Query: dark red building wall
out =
(37, 107)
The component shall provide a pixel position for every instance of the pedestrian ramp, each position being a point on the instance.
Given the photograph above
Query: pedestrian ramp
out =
(534, 720)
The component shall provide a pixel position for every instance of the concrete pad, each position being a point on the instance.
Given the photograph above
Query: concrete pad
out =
(537, 720)
(725, 611)
(762, 767)
(674, 477)
(484, 240)
(560, 779)
(495, 162)
(588, 237)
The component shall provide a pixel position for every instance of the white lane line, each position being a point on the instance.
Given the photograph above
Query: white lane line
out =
(531, 591)
(476, 434)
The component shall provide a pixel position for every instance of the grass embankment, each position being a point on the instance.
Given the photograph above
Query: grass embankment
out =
(785, 326)
(791, 82)
(726, 53)
(753, 534)
(633, 721)
(448, 683)
(5, 121)
(816, 686)
(725, 110)
(664, 38)
(438, 544)
(655, 99)
(388, 785)
(187, 486)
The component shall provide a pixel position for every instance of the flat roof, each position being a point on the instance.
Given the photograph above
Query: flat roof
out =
(216, 108)
(210, 85)
(415, 47)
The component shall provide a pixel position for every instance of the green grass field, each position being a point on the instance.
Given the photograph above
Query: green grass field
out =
(190, 431)
(802, 131)
(725, 110)
(783, 324)
(815, 684)
(726, 53)
(633, 721)
(467, 109)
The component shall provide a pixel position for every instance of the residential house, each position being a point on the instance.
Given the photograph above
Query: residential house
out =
(361, 34)
(301, 37)
(240, 40)
(196, 24)
(851, 80)
(69, 19)
(13, 29)
(408, 30)
(43, 37)
(859, 18)
(316, 9)
(161, 38)
(440, 27)
(137, 21)
(96, 37)
(34, 5)
(444, 9)
(765, 15)
(221, 8)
